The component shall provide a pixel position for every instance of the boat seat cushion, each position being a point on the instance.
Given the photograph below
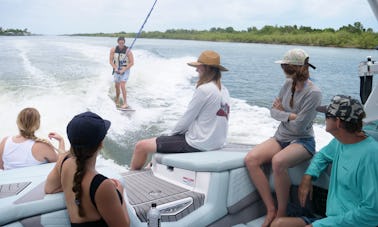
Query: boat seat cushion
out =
(229, 157)
(206, 161)
(32, 200)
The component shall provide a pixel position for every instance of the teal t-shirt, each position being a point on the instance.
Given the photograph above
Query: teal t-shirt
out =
(353, 190)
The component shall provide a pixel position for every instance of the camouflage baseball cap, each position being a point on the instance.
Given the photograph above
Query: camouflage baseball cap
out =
(344, 107)
(295, 57)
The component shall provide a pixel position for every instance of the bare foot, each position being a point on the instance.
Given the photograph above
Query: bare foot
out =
(125, 106)
(270, 216)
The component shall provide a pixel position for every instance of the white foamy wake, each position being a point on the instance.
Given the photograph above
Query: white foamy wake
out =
(159, 89)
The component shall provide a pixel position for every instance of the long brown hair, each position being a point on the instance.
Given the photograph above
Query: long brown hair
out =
(81, 154)
(298, 73)
(210, 74)
(28, 121)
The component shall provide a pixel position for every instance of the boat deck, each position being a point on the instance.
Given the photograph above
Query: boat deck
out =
(143, 188)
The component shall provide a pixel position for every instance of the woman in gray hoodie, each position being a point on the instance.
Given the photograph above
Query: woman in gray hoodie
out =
(293, 142)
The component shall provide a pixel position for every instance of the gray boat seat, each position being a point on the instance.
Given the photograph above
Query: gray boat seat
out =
(58, 218)
(242, 198)
(29, 198)
(231, 158)
(227, 158)
(208, 161)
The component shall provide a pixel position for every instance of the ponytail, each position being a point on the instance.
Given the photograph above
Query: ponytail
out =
(36, 139)
(28, 121)
(81, 157)
(292, 92)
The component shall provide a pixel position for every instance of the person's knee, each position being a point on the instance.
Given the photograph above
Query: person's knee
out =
(278, 222)
(278, 164)
(140, 147)
(145, 146)
(252, 160)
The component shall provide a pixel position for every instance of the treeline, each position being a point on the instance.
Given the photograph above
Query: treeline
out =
(355, 35)
(12, 31)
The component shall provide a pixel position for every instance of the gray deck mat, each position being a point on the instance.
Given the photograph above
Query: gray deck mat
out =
(143, 188)
(12, 189)
(37, 193)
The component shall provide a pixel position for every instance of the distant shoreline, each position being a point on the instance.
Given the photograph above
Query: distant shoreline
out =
(351, 36)
(14, 32)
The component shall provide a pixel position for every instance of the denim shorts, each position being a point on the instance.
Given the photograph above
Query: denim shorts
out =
(173, 144)
(307, 143)
(121, 77)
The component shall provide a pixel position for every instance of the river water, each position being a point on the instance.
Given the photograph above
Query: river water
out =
(62, 76)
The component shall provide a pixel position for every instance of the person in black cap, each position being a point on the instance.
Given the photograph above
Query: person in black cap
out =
(91, 198)
(353, 193)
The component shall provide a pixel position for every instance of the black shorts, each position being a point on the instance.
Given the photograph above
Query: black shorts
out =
(173, 144)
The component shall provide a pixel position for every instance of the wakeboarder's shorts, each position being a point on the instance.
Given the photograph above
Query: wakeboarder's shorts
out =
(307, 143)
(121, 77)
(173, 144)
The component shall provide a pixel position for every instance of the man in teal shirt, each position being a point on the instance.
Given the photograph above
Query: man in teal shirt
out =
(353, 190)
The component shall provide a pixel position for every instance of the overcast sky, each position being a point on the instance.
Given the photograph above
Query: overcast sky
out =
(90, 16)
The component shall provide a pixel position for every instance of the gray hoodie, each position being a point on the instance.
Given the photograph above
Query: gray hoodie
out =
(305, 102)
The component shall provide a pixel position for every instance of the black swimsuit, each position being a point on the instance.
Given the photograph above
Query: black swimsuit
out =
(96, 182)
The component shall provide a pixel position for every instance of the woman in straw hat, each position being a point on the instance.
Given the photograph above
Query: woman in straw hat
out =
(293, 142)
(25, 149)
(204, 125)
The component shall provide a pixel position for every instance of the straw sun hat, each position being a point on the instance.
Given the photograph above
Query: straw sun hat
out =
(209, 57)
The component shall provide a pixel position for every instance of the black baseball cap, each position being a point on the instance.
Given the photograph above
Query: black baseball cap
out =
(87, 130)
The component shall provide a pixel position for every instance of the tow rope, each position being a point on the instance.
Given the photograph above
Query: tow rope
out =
(141, 28)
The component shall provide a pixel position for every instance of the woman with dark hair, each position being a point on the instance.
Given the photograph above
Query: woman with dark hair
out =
(26, 149)
(293, 142)
(204, 125)
(91, 198)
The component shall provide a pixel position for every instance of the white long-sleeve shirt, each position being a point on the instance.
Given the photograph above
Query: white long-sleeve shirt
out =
(205, 122)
